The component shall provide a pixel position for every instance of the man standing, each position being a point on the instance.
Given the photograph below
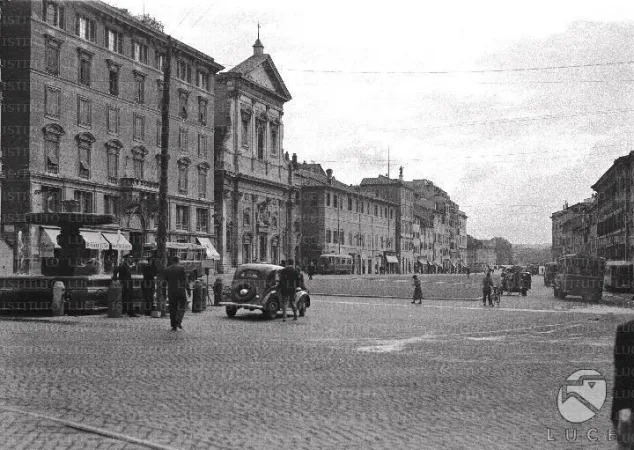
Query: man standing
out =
(311, 270)
(623, 394)
(148, 286)
(288, 283)
(177, 292)
(487, 285)
(123, 273)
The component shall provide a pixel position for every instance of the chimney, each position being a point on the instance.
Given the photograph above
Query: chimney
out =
(294, 160)
(400, 173)
(329, 175)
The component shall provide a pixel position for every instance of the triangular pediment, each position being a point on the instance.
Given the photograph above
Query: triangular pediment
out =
(260, 70)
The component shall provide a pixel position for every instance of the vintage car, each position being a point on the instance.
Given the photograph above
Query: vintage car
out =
(550, 270)
(255, 286)
(579, 274)
(516, 279)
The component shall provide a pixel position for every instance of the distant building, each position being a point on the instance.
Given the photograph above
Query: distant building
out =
(571, 229)
(481, 254)
(341, 219)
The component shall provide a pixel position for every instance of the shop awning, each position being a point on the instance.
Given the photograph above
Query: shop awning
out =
(117, 241)
(391, 259)
(211, 250)
(94, 240)
(48, 241)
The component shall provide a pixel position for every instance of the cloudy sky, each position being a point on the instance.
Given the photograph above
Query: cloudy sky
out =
(511, 108)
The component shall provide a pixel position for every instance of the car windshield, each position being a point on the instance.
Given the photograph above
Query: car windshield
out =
(250, 274)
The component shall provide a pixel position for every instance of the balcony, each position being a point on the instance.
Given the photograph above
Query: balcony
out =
(128, 183)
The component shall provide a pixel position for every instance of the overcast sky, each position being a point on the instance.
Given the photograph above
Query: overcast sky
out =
(438, 83)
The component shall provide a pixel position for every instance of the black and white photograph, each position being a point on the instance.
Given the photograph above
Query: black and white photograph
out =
(332, 225)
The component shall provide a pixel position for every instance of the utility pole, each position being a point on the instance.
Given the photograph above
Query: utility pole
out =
(163, 204)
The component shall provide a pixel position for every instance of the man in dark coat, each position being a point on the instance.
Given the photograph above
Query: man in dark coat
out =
(623, 394)
(177, 292)
(487, 285)
(123, 273)
(288, 284)
(148, 286)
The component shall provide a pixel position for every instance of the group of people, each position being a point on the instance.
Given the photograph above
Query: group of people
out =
(174, 278)
(290, 279)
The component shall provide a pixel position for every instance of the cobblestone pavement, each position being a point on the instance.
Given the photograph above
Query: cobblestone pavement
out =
(355, 373)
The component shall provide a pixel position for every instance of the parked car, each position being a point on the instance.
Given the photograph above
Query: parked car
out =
(579, 274)
(255, 286)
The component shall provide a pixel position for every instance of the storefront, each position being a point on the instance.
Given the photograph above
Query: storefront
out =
(119, 247)
(211, 254)
(391, 262)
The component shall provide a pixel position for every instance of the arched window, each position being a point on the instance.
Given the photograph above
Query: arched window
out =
(138, 159)
(84, 145)
(52, 136)
(203, 169)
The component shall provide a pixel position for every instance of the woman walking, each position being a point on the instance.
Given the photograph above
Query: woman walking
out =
(418, 291)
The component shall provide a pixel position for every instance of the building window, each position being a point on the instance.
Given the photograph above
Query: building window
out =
(52, 102)
(376, 210)
(138, 133)
(84, 159)
(138, 162)
(261, 133)
(159, 60)
(335, 236)
(85, 65)
(328, 199)
(183, 98)
(202, 80)
(362, 203)
(274, 137)
(349, 203)
(84, 111)
(182, 139)
(114, 82)
(158, 133)
(114, 41)
(245, 129)
(139, 52)
(328, 236)
(54, 14)
(184, 71)
(202, 220)
(182, 217)
(51, 199)
(202, 111)
(159, 96)
(139, 88)
(85, 28)
(52, 55)
(183, 175)
(113, 165)
(202, 181)
(84, 201)
(113, 120)
(335, 199)
(246, 217)
(202, 145)
(111, 205)
(52, 137)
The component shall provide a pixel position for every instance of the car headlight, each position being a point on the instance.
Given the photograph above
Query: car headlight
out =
(244, 292)
(257, 297)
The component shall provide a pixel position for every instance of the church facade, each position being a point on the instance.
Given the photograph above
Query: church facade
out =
(255, 195)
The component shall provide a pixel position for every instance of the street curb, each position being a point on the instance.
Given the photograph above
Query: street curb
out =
(391, 297)
(89, 429)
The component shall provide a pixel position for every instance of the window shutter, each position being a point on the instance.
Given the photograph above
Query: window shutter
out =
(119, 43)
(62, 22)
(93, 34)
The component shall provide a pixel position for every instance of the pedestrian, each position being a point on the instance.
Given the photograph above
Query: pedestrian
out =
(311, 270)
(148, 286)
(288, 284)
(177, 292)
(418, 291)
(487, 285)
(123, 273)
(623, 392)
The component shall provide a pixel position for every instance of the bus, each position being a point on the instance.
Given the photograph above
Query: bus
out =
(192, 256)
(334, 263)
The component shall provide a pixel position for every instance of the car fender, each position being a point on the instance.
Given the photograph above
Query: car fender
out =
(269, 295)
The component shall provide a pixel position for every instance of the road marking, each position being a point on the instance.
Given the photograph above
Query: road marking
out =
(89, 429)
